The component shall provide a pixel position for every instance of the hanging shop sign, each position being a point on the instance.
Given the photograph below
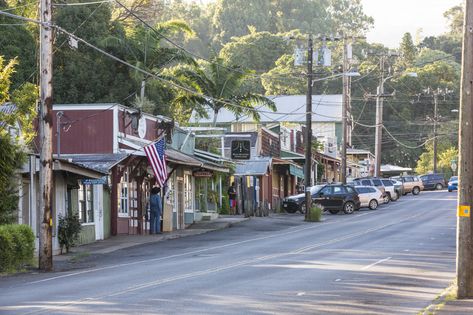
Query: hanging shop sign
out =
(241, 150)
(203, 174)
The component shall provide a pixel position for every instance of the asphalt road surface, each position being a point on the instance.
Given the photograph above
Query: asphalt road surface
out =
(394, 260)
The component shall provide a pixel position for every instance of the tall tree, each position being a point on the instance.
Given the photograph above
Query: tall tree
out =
(408, 52)
(82, 75)
(219, 85)
(12, 147)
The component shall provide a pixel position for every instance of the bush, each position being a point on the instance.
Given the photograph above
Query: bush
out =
(16, 246)
(68, 231)
(315, 214)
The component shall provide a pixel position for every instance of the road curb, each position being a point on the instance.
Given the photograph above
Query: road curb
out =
(439, 301)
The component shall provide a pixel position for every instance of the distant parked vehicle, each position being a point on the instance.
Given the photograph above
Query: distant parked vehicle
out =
(370, 197)
(412, 184)
(433, 181)
(384, 184)
(453, 184)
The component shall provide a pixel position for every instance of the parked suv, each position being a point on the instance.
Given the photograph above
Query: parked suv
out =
(332, 198)
(433, 181)
(385, 184)
(337, 197)
(412, 184)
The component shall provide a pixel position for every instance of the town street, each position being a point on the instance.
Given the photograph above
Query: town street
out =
(394, 260)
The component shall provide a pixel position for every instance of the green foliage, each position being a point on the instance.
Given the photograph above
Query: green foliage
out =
(315, 214)
(16, 247)
(68, 230)
(444, 157)
(225, 205)
(455, 16)
(276, 82)
(222, 82)
(408, 52)
(18, 42)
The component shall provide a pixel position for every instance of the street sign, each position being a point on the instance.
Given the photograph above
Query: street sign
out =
(203, 174)
(94, 181)
(453, 165)
(241, 150)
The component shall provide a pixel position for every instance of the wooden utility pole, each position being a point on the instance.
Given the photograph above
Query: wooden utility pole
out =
(435, 131)
(379, 119)
(345, 101)
(465, 172)
(45, 137)
(308, 126)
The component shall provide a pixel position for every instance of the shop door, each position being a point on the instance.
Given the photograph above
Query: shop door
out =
(180, 204)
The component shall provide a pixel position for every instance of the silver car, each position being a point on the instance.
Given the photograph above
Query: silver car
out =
(370, 196)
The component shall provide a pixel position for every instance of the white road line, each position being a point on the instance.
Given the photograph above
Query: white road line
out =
(376, 263)
(191, 252)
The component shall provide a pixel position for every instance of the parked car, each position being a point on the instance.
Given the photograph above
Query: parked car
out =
(453, 183)
(384, 184)
(398, 187)
(295, 203)
(370, 196)
(412, 184)
(332, 198)
(433, 181)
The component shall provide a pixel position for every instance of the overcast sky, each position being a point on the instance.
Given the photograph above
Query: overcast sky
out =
(394, 18)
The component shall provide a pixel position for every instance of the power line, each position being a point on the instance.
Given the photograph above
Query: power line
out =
(80, 3)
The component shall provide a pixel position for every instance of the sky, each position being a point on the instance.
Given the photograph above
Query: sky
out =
(394, 18)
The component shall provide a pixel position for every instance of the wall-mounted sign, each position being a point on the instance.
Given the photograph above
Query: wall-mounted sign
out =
(203, 174)
(94, 181)
(241, 150)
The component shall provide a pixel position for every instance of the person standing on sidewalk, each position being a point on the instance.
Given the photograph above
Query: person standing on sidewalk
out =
(232, 194)
(156, 204)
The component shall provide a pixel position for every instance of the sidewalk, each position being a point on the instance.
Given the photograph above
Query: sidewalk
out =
(447, 304)
(456, 307)
(115, 243)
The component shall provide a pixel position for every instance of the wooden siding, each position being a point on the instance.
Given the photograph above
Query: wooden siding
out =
(91, 132)
(269, 144)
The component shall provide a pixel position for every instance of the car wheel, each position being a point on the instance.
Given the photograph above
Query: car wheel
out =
(349, 207)
(450, 190)
(290, 210)
(303, 208)
(373, 204)
(387, 198)
(415, 191)
(438, 186)
(395, 196)
(333, 211)
(404, 193)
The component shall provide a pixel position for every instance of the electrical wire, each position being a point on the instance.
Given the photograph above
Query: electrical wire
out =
(80, 3)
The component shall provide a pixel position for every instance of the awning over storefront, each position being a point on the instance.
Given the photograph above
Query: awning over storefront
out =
(178, 157)
(296, 171)
(255, 167)
(99, 162)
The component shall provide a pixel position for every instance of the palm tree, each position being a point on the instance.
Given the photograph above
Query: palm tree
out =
(218, 86)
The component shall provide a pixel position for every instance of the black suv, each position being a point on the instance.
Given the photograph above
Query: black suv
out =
(332, 198)
(433, 181)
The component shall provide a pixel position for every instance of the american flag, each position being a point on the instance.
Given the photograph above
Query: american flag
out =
(156, 157)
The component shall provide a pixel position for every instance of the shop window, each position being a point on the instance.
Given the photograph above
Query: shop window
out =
(86, 203)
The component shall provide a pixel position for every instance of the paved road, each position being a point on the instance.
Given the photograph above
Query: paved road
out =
(394, 260)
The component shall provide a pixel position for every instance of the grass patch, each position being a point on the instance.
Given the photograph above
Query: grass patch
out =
(315, 213)
(449, 294)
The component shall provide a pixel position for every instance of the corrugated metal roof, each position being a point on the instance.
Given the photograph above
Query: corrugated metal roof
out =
(7, 109)
(254, 167)
(178, 157)
(328, 108)
(99, 162)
